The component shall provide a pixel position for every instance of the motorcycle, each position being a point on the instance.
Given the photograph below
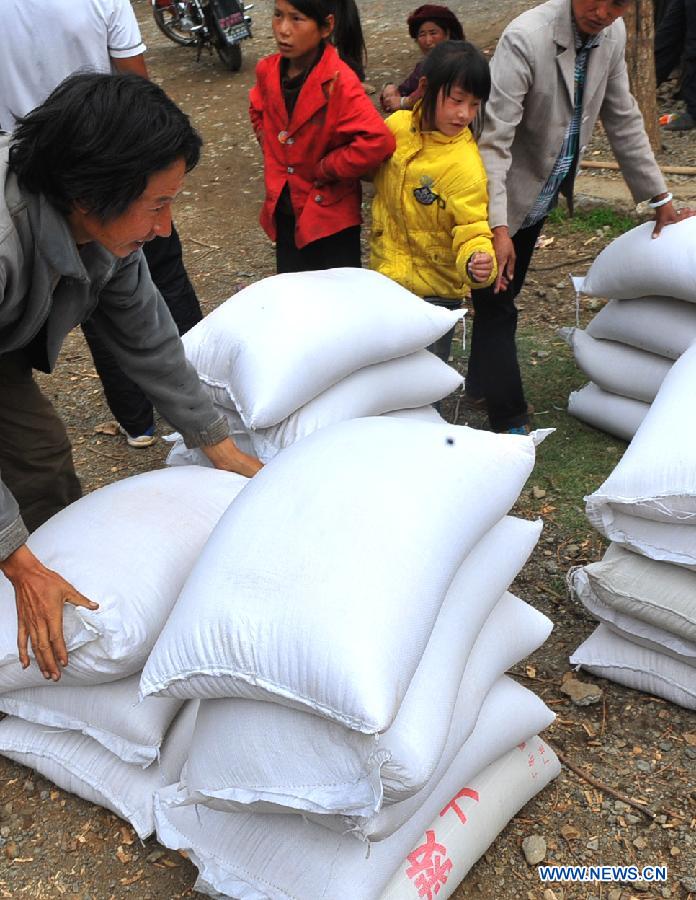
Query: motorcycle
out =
(222, 24)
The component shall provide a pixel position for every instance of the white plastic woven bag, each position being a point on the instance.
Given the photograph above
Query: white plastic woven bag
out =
(638, 265)
(415, 380)
(128, 546)
(81, 766)
(618, 368)
(321, 584)
(279, 342)
(326, 768)
(660, 325)
(637, 628)
(262, 857)
(611, 656)
(620, 416)
(109, 713)
(648, 503)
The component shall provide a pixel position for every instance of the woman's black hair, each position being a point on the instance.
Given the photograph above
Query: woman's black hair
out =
(347, 35)
(96, 141)
(455, 64)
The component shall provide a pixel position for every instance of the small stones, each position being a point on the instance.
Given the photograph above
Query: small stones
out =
(581, 693)
(534, 849)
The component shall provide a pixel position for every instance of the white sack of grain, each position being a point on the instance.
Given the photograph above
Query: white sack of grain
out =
(620, 416)
(109, 713)
(618, 368)
(79, 765)
(262, 857)
(611, 656)
(321, 591)
(638, 265)
(128, 546)
(661, 325)
(280, 342)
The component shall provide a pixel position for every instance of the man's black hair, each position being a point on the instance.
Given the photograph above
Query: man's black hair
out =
(97, 139)
(455, 64)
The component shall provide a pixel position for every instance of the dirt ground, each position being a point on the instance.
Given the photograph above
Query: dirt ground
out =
(54, 845)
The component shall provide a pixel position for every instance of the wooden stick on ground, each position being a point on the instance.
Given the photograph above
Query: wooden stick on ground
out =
(614, 166)
(595, 782)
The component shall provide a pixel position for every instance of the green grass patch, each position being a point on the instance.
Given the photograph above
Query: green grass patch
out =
(576, 459)
(601, 218)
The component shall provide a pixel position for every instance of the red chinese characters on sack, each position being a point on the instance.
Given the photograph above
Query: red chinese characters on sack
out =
(429, 867)
(465, 792)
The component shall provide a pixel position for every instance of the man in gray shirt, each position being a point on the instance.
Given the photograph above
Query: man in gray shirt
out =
(85, 180)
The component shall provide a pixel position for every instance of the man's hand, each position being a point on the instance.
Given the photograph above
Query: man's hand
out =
(40, 595)
(480, 266)
(227, 455)
(505, 254)
(668, 215)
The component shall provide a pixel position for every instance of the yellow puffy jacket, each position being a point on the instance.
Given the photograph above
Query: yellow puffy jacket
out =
(430, 210)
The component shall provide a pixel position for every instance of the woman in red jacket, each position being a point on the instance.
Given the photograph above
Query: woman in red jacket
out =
(319, 134)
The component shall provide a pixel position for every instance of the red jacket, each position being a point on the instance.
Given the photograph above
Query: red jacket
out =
(335, 136)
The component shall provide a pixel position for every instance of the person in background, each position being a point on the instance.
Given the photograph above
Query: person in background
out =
(430, 212)
(557, 68)
(676, 37)
(319, 134)
(98, 36)
(347, 35)
(428, 25)
(77, 204)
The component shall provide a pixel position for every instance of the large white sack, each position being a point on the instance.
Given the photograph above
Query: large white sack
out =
(656, 477)
(633, 629)
(618, 368)
(636, 265)
(505, 717)
(660, 325)
(279, 342)
(657, 593)
(414, 381)
(109, 713)
(326, 768)
(466, 826)
(260, 857)
(128, 546)
(422, 414)
(620, 416)
(79, 765)
(320, 586)
(611, 656)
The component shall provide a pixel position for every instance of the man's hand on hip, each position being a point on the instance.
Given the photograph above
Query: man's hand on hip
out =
(40, 595)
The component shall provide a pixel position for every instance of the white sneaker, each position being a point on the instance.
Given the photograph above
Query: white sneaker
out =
(141, 440)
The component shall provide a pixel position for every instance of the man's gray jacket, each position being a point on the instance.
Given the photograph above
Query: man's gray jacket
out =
(531, 105)
(46, 279)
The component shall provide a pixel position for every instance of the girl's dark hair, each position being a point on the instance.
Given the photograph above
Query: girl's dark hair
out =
(347, 35)
(97, 139)
(455, 64)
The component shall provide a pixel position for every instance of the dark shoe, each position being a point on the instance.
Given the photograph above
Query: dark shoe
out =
(684, 122)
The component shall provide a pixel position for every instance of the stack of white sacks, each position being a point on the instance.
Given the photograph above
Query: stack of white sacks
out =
(630, 345)
(330, 643)
(130, 547)
(346, 631)
(296, 352)
(644, 590)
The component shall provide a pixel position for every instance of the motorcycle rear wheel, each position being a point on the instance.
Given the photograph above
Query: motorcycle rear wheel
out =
(168, 22)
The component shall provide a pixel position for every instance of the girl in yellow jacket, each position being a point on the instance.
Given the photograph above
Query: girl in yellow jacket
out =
(430, 212)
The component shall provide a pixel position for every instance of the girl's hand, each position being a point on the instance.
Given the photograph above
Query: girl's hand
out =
(480, 266)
